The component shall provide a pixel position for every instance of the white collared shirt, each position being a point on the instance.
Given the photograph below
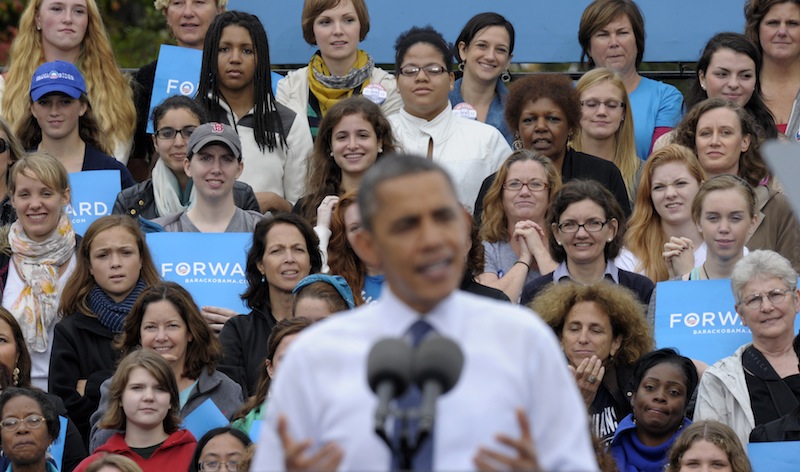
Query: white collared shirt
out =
(512, 360)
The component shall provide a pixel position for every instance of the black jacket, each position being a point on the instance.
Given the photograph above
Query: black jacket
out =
(82, 350)
(638, 284)
(139, 200)
(785, 428)
(244, 348)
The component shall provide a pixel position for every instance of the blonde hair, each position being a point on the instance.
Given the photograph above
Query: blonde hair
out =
(625, 146)
(108, 89)
(645, 237)
(42, 167)
(114, 460)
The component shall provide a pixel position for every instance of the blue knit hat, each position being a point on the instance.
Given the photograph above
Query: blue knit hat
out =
(337, 281)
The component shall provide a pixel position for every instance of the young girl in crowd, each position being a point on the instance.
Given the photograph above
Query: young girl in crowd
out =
(170, 190)
(318, 296)
(339, 69)
(708, 445)
(235, 87)
(11, 151)
(143, 404)
(284, 333)
(484, 49)
(663, 384)
(165, 319)
(71, 31)
(284, 250)
(60, 121)
(114, 267)
(365, 280)
(40, 254)
(606, 128)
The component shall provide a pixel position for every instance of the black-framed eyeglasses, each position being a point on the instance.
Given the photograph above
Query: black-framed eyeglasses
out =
(431, 69)
(31, 422)
(775, 297)
(214, 466)
(170, 133)
(591, 226)
(595, 104)
(533, 185)
(4, 146)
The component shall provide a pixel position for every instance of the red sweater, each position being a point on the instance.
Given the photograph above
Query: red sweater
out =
(174, 454)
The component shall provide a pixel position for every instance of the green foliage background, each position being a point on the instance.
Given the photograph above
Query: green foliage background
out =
(136, 29)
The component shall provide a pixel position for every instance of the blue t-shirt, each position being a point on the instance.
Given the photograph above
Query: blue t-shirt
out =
(653, 104)
(372, 288)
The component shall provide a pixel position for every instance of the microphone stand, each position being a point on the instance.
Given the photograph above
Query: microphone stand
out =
(407, 449)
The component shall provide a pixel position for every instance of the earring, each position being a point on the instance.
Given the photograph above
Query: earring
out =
(517, 144)
(505, 76)
(559, 242)
(703, 86)
(610, 239)
(461, 66)
(16, 376)
(331, 153)
(380, 150)
(38, 28)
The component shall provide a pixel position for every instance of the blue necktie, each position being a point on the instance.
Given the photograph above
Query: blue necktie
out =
(411, 401)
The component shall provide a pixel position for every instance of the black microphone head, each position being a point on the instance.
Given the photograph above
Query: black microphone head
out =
(389, 360)
(439, 359)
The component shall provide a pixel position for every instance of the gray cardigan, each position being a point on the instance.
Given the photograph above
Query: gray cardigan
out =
(224, 392)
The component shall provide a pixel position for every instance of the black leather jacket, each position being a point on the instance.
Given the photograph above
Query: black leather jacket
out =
(139, 200)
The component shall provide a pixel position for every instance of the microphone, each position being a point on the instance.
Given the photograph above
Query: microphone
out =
(437, 366)
(388, 375)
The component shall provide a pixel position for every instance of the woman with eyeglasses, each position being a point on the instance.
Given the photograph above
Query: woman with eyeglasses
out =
(514, 231)
(469, 150)
(29, 424)
(586, 233)
(221, 449)
(606, 128)
(170, 190)
(760, 382)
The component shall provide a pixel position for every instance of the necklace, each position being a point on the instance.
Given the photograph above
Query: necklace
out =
(705, 271)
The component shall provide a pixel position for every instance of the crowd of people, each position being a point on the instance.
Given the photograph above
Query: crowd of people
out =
(555, 207)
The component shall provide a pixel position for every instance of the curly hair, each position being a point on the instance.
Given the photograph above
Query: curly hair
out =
(751, 165)
(323, 175)
(620, 304)
(718, 434)
(739, 44)
(579, 190)
(203, 351)
(645, 237)
(602, 12)
(494, 226)
(108, 89)
(342, 259)
(75, 295)
(625, 146)
(556, 87)
(426, 35)
(314, 8)
(256, 296)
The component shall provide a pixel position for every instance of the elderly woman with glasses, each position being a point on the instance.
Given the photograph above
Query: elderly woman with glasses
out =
(760, 382)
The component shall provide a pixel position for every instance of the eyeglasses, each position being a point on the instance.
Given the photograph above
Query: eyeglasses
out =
(533, 185)
(4, 146)
(413, 71)
(775, 297)
(31, 422)
(170, 133)
(595, 104)
(591, 226)
(213, 466)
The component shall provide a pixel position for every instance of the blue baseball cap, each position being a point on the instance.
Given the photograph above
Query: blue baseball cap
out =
(57, 76)
(337, 281)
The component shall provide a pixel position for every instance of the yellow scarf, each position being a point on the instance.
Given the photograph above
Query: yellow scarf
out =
(328, 96)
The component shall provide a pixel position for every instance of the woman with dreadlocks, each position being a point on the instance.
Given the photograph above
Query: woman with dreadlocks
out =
(236, 88)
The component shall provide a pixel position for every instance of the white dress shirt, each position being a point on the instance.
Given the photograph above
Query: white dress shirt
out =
(511, 360)
(469, 150)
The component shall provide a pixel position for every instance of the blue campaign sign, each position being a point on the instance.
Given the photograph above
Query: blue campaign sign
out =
(546, 31)
(93, 195)
(774, 456)
(698, 318)
(56, 448)
(204, 418)
(209, 265)
(177, 72)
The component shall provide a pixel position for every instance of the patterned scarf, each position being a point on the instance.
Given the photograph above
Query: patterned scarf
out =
(329, 89)
(37, 264)
(110, 313)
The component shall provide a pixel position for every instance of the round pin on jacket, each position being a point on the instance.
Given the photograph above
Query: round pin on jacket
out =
(375, 93)
(465, 110)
